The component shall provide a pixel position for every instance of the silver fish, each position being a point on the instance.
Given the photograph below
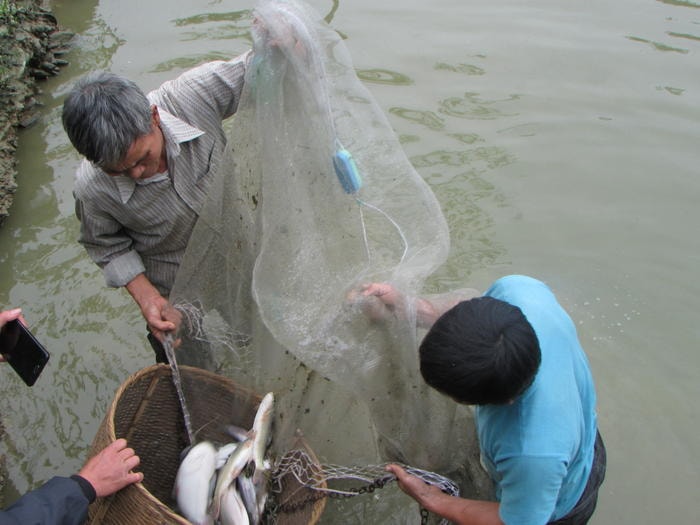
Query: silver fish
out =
(192, 488)
(246, 489)
(224, 453)
(236, 432)
(262, 426)
(229, 472)
(232, 509)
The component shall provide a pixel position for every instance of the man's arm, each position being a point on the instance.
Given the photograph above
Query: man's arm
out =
(106, 243)
(382, 299)
(58, 501)
(111, 250)
(457, 510)
(64, 501)
(217, 85)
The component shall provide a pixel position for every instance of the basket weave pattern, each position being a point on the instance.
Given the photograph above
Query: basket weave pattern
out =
(146, 411)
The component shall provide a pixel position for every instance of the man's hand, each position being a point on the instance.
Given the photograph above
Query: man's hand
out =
(156, 310)
(453, 508)
(415, 487)
(10, 315)
(378, 301)
(111, 469)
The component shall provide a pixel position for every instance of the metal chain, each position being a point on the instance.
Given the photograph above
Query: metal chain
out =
(274, 509)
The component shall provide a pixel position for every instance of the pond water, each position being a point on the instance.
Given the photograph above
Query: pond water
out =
(560, 139)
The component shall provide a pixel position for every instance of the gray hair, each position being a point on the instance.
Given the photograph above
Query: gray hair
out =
(103, 115)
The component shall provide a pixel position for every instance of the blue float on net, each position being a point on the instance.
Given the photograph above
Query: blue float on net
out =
(346, 170)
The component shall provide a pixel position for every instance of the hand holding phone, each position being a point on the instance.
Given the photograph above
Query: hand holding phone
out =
(22, 351)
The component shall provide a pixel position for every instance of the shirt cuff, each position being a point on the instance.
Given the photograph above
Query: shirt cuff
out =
(121, 270)
(86, 487)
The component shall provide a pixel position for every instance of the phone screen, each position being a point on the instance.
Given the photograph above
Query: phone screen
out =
(22, 351)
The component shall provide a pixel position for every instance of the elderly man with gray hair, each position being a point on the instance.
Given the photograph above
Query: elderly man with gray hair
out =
(149, 160)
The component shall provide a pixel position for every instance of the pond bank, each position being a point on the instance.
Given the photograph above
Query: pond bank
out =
(32, 48)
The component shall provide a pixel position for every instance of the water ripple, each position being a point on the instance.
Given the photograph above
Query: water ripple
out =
(203, 18)
(680, 3)
(467, 69)
(659, 46)
(425, 118)
(472, 107)
(384, 76)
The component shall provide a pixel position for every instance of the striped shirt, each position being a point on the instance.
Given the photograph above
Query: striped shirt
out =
(130, 227)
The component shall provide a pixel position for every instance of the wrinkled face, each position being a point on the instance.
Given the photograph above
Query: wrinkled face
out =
(146, 155)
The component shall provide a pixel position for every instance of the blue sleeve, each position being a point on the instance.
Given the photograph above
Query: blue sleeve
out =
(529, 489)
(60, 501)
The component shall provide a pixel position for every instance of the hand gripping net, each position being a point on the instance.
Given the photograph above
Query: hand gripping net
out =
(312, 482)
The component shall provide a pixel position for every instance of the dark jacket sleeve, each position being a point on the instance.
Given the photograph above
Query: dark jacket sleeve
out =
(60, 501)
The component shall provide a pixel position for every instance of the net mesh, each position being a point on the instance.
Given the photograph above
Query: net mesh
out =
(281, 242)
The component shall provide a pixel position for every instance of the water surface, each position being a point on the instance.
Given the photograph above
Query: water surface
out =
(560, 139)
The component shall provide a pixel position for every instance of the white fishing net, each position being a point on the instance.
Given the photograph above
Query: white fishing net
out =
(285, 236)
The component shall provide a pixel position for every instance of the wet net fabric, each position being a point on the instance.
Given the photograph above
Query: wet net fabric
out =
(280, 245)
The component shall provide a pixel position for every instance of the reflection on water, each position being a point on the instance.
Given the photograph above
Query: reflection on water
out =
(681, 3)
(425, 118)
(215, 30)
(383, 76)
(187, 62)
(203, 18)
(467, 138)
(102, 42)
(683, 35)
(659, 46)
(472, 106)
(467, 69)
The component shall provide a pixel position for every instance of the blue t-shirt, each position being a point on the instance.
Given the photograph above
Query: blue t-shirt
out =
(539, 449)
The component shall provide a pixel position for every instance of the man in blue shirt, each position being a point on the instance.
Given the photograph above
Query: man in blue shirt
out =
(515, 354)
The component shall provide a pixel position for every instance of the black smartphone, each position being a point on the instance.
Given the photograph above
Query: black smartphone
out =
(22, 351)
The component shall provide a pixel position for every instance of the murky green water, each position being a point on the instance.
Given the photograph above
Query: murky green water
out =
(560, 138)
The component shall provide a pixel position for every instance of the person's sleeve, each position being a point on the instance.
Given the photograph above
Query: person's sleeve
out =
(107, 245)
(216, 86)
(530, 488)
(60, 501)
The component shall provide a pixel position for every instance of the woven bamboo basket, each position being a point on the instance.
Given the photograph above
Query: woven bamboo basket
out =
(146, 412)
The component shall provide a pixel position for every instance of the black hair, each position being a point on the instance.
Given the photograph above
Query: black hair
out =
(482, 351)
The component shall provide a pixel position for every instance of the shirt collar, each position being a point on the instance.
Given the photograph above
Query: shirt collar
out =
(175, 132)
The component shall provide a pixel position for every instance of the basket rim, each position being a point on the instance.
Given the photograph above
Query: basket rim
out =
(162, 369)
(158, 369)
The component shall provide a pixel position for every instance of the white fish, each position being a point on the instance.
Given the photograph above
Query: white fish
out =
(229, 472)
(262, 426)
(224, 453)
(192, 488)
(232, 509)
(236, 432)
